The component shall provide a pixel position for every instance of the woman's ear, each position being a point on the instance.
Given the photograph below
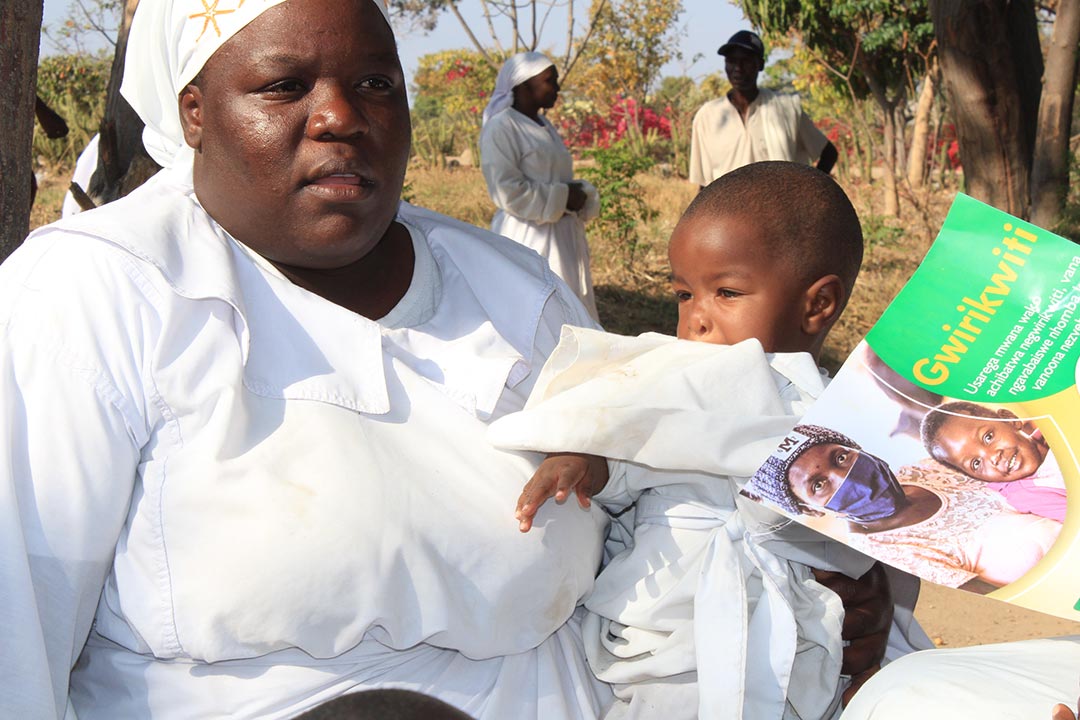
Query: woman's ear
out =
(824, 300)
(191, 119)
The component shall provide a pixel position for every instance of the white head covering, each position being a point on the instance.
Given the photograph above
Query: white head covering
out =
(514, 71)
(168, 44)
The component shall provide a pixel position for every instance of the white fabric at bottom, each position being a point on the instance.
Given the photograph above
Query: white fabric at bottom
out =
(1004, 681)
(111, 682)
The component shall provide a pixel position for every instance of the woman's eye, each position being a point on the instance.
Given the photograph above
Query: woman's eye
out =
(284, 87)
(376, 83)
(817, 486)
(841, 458)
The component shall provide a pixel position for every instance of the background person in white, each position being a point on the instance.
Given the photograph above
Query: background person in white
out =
(530, 173)
(752, 124)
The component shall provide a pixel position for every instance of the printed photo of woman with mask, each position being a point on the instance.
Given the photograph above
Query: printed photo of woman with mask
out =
(923, 518)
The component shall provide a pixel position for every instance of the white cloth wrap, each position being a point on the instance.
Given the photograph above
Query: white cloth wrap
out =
(514, 71)
(168, 44)
(764, 633)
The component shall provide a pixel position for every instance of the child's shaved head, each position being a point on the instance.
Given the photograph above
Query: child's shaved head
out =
(805, 215)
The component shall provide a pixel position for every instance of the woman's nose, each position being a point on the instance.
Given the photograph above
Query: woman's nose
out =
(336, 114)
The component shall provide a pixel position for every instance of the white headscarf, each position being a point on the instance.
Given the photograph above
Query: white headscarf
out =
(514, 71)
(168, 44)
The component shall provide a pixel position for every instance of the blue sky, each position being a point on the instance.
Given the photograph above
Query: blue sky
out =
(706, 24)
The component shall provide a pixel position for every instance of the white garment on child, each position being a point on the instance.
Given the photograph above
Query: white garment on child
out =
(708, 586)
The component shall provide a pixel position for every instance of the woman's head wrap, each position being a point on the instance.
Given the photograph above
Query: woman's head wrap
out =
(168, 44)
(514, 71)
(771, 479)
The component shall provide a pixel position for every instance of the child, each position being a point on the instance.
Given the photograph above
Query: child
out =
(763, 262)
(1008, 454)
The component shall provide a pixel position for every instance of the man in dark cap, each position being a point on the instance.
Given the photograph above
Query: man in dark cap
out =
(751, 124)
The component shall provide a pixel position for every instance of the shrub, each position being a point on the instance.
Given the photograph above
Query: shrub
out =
(622, 204)
(74, 86)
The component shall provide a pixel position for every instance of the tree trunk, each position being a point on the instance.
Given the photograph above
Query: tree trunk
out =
(891, 196)
(20, 34)
(991, 65)
(900, 160)
(1050, 166)
(920, 138)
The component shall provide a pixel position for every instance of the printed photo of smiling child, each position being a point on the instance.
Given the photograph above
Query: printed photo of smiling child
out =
(1006, 453)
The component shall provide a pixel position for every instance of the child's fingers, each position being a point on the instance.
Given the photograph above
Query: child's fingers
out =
(583, 497)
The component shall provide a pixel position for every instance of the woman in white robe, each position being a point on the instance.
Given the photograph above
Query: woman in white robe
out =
(530, 173)
(245, 468)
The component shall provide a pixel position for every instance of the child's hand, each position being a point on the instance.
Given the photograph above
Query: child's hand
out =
(558, 476)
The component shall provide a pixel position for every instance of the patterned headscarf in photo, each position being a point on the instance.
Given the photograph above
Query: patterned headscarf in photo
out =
(168, 44)
(771, 480)
(514, 71)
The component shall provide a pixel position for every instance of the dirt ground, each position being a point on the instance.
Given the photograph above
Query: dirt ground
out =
(954, 618)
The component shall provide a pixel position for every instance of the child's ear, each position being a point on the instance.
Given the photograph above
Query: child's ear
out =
(191, 119)
(824, 299)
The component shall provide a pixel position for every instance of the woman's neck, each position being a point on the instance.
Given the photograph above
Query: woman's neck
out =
(531, 112)
(371, 286)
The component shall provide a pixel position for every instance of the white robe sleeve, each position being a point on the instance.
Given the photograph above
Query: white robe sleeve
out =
(67, 470)
(502, 149)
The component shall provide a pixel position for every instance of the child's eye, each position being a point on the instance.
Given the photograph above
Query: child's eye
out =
(682, 295)
(988, 436)
(976, 464)
(728, 293)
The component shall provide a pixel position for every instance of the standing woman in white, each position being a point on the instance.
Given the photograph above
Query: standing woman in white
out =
(530, 173)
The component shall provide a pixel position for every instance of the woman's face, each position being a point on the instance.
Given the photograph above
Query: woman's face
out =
(301, 129)
(543, 89)
(819, 471)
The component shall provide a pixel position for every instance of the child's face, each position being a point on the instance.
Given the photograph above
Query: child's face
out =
(988, 449)
(730, 289)
(819, 471)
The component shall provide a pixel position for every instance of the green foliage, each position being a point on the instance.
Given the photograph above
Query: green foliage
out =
(74, 86)
(631, 41)
(876, 42)
(622, 205)
(878, 232)
(450, 89)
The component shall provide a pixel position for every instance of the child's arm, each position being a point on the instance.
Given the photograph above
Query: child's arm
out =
(558, 476)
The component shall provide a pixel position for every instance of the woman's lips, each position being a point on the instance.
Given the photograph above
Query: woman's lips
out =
(340, 186)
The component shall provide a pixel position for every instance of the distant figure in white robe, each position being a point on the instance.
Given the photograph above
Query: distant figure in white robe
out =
(530, 173)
